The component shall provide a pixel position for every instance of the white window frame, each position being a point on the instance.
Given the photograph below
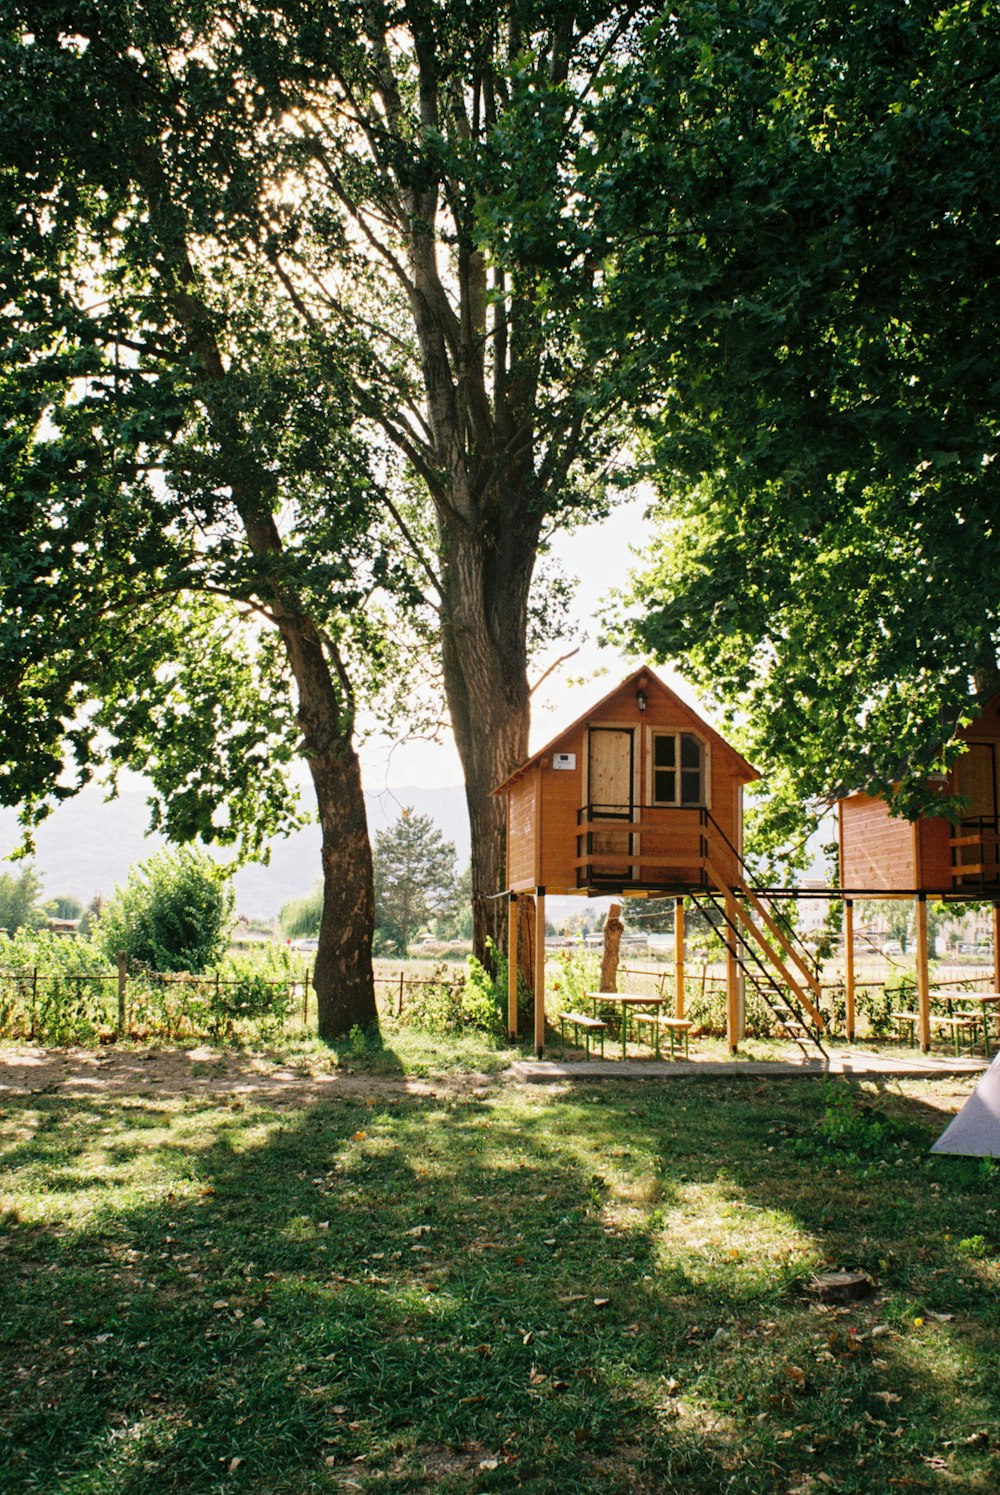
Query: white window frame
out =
(706, 769)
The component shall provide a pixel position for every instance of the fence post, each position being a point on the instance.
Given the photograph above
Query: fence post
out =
(400, 1012)
(305, 999)
(34, 1002)
(122, 983)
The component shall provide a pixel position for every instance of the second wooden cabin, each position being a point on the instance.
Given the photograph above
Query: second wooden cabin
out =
(933, 855)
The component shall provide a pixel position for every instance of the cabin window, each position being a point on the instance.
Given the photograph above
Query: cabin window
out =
(678, 769)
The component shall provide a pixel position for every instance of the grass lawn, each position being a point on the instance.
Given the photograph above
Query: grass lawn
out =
(600, 1288)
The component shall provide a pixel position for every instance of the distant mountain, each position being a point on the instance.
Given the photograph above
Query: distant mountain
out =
(89, 844)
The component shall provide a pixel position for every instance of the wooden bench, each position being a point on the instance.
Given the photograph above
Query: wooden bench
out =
(958, 1022)
(790, 1022)
(677, 1027)
(581, 1023)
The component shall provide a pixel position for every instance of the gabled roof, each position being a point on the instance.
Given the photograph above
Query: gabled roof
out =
(750, 772)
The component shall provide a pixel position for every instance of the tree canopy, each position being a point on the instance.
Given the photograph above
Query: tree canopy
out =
(233, 241)
(19, 896)
(809, 297)
(190, 533)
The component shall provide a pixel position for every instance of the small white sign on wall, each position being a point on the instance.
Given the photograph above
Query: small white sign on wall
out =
(563, 760)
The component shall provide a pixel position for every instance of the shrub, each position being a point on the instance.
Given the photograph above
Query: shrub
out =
(434, 1004)
(175, 913)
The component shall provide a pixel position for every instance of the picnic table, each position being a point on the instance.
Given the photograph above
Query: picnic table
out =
(957, 1020)
(644, 1010)
(988, 1003)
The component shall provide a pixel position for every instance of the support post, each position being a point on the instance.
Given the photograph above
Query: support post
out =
(923, 974)
(732, 976)
(540, 972)
(850, 1018)
(512, 918)
(996, 947)
(679, 957)
(122, 983)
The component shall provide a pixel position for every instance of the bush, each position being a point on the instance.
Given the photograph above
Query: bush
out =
(434, 1004)
(175, 913)
(72, 999)
(855, 1134)
(300, 919)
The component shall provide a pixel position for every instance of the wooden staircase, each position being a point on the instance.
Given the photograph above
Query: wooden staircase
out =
(776, 964)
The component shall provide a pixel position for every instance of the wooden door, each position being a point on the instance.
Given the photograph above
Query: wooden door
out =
(610, 794)
(976, 778)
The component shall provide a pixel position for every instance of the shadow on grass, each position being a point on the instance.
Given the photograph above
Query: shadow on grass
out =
(507, 1291)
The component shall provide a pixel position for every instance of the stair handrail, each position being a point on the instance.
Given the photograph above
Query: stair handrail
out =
(738, 943)
(761, 894)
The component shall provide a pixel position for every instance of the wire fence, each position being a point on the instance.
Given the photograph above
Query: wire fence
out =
(59, 1007)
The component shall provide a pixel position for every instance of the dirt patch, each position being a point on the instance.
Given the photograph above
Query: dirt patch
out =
(30, 1070)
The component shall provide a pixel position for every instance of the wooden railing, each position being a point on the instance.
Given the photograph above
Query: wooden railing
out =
(975, 853)
(648, 846)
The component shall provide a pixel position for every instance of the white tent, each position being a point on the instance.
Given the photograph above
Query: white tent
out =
(975, 1131)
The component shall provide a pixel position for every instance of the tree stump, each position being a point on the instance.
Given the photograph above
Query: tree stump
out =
(841, 1287)
(613, 928)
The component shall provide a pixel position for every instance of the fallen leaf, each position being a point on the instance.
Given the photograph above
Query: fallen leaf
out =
(601, 1302)
(360, 1136)
(489, 1463)
(234, 1464)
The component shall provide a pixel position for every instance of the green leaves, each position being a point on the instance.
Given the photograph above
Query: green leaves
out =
(175, 913)
(805, 229)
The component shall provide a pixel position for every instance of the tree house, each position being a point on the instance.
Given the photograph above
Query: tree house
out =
(631, 798)
(941, 858)
(641, 796)
(885, 856)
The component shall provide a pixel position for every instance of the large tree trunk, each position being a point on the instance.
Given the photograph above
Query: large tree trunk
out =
(342, 976)
(486, 683)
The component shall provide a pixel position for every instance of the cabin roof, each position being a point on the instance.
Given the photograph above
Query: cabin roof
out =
(749, 772)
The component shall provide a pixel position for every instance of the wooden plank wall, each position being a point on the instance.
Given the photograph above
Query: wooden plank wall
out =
(934, 853)
(521, 870)
(877, 850)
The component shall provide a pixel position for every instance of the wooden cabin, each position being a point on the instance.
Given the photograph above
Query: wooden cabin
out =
(882, 854)
(639, 795)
